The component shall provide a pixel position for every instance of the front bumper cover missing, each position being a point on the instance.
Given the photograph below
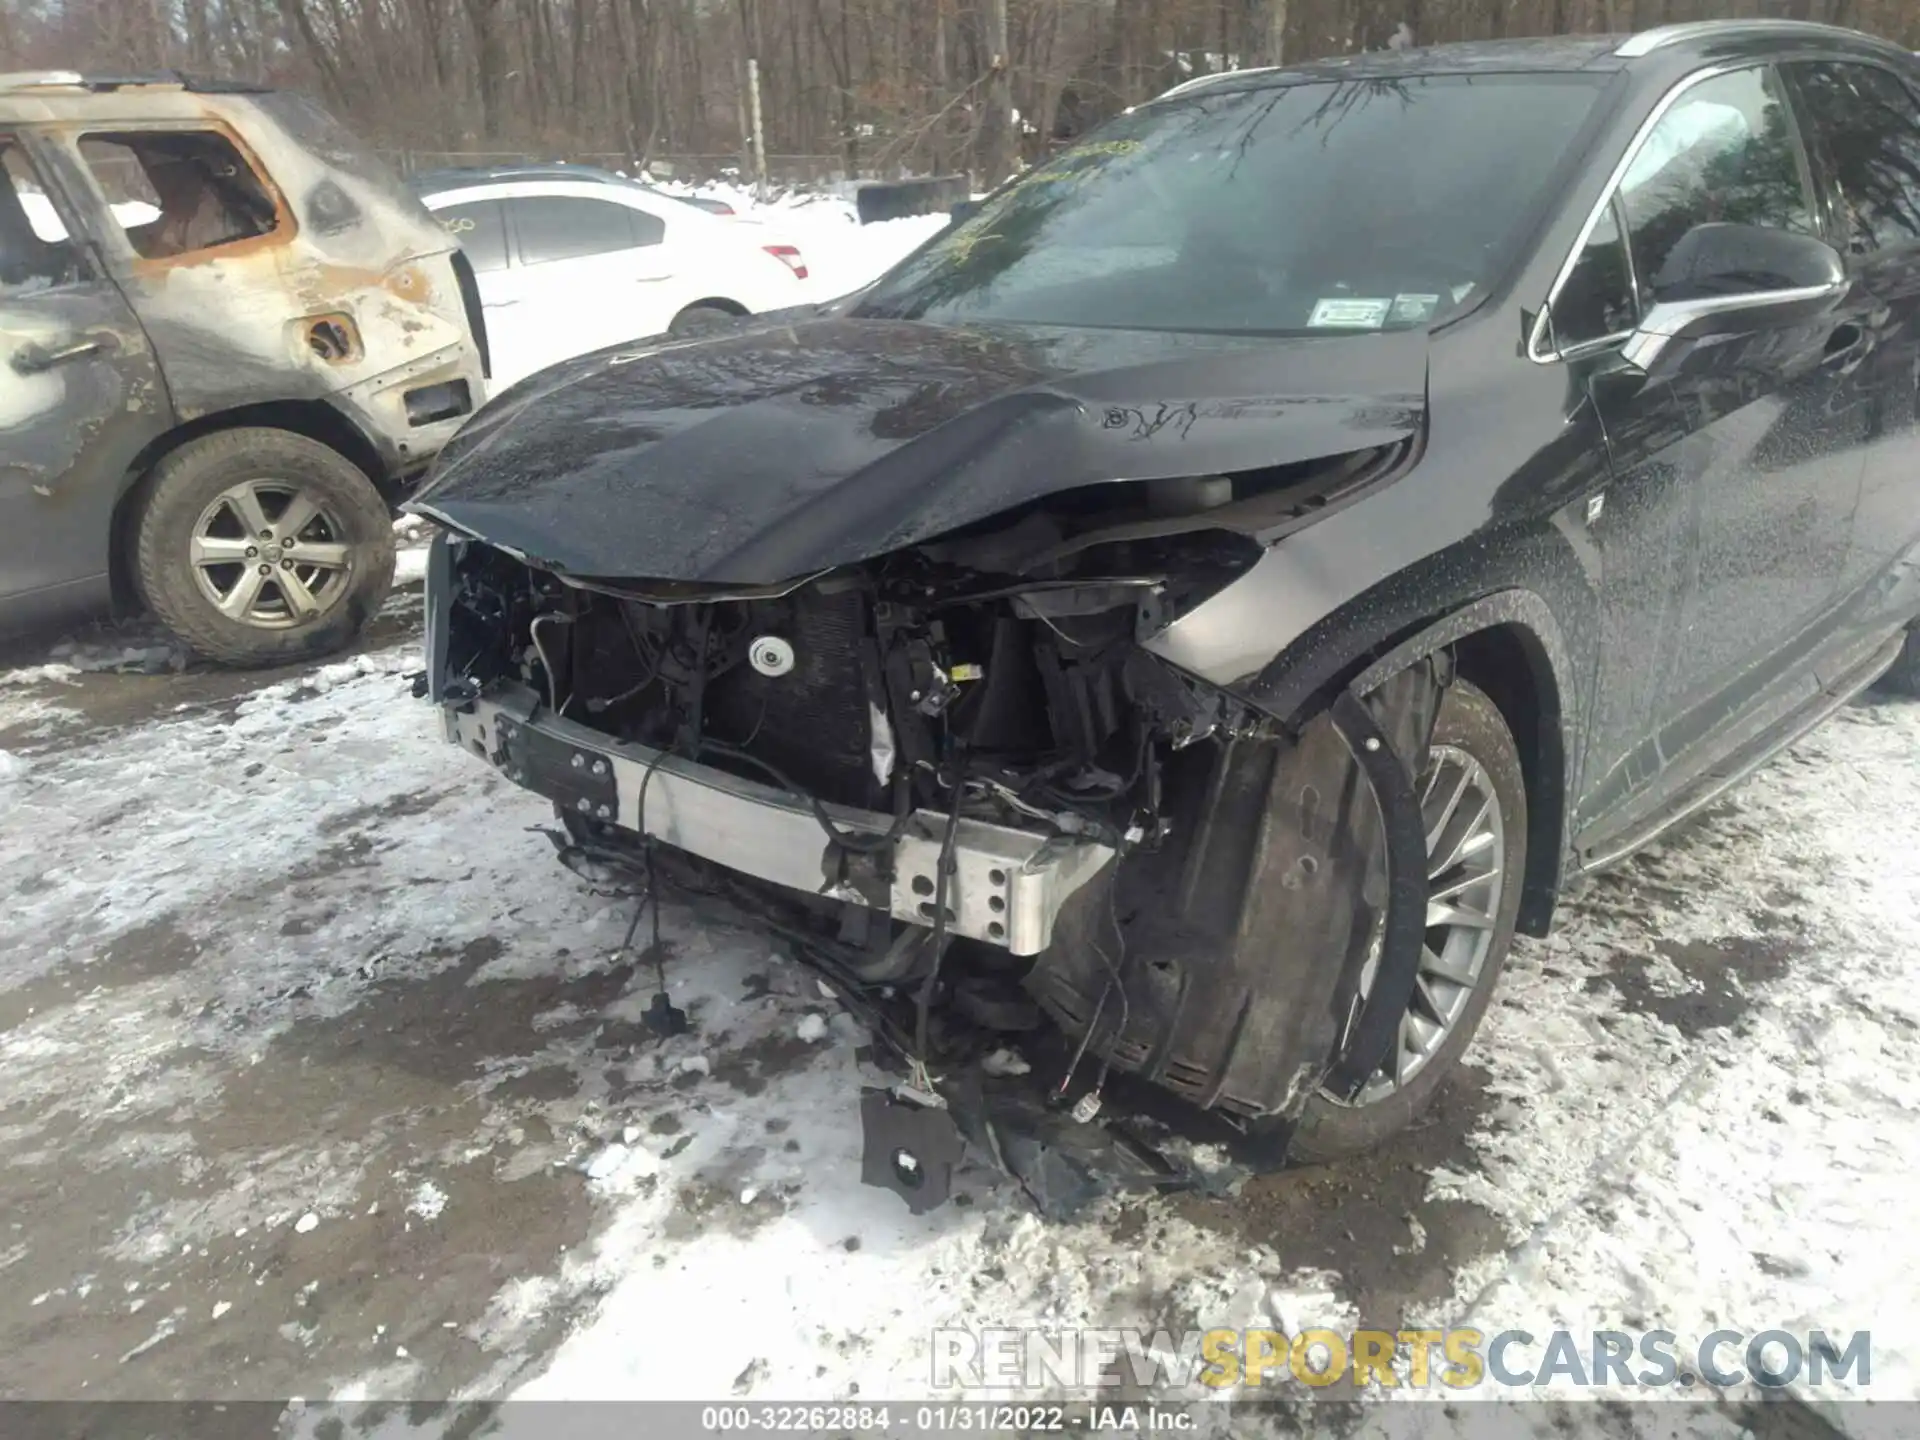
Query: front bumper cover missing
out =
(1008, 886)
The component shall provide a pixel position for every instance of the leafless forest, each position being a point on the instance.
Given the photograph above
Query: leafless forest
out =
(849, 86)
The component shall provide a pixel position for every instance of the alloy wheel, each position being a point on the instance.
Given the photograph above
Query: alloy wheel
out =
(268, 554)
(1466, 843)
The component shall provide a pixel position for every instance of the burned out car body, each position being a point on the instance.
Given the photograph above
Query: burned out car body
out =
(929, 606)
(335, 310)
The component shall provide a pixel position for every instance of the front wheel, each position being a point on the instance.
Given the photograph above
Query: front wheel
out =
(259, 546)
(1473, 802)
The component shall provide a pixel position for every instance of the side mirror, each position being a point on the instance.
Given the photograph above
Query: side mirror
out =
(963, 210)
(1722, 278)
(1724, 259)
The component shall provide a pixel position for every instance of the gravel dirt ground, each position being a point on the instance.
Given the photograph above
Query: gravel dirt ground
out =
(319, 1077)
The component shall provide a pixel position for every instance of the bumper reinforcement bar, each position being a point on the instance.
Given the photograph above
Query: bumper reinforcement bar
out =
(1008, 886)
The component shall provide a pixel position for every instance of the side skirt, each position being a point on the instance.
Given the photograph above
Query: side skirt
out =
(1717, 775)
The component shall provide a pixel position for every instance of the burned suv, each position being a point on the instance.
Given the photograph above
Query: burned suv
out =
(1181, 622)
(229, 344)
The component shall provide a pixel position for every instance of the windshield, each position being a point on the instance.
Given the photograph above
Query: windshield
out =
(1316, 208)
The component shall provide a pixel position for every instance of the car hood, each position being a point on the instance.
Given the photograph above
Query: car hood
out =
(780, 450)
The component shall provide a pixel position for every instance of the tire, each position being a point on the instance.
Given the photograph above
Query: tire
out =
(1468, 723)
(1903, 676)
(195, 514)
(702, 319)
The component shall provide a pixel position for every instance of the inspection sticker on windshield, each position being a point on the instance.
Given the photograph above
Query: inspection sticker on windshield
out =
(1350, 314)
(1412, 309)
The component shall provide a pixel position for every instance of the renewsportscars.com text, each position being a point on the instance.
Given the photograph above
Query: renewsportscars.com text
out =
(1455, 1359)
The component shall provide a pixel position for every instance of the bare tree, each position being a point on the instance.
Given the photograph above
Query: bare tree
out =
(882, 86)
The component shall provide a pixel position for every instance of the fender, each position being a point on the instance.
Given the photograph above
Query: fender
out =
(1526, 616)
(1397, 624)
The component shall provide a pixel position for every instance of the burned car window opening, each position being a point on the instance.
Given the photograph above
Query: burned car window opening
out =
(36, 252)
(196, 188)
(1190, 215)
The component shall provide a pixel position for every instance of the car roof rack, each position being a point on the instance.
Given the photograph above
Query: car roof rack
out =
(29, 80)
(1201, 82)
(1659, 38)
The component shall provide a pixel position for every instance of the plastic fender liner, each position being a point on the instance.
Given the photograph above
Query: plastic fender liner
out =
(1391, 779)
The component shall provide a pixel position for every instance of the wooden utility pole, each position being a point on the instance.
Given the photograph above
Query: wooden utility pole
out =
(759, 136)
(996, 133)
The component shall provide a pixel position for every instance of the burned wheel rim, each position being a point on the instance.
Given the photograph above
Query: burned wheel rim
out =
(269, 554)
(1466, 841)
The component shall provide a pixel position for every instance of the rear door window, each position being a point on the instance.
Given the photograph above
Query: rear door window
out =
(480, 230)
(1867, 125)
(568, 227)
(35, 251)
(179, 192)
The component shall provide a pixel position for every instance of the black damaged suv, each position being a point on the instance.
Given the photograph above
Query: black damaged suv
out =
(1184, 619)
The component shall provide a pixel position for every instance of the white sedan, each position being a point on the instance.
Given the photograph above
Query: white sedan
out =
(568, 266)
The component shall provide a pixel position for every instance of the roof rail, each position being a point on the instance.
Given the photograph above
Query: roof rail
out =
(1647, 41)
(37, 79)
(1200, 82)
(25, 80)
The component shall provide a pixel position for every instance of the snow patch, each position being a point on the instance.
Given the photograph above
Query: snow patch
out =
(428, 1201)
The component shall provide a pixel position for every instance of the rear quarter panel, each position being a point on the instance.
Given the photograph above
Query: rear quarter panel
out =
(230, 324)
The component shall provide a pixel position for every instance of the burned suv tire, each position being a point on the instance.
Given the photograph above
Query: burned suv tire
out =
(260, 546)
(1903, 676)
(1474, 803)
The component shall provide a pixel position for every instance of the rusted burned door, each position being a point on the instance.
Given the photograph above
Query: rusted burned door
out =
(80, 397)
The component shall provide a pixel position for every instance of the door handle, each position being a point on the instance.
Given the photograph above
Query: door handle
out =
(37, 359)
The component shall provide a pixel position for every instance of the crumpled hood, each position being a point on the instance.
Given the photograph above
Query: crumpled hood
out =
(776, 451)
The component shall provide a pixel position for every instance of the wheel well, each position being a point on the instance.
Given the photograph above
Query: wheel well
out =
(314, 419)
(1510, 665)
(715, 302)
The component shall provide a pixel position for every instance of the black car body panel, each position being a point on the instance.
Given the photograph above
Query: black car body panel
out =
(786, 450)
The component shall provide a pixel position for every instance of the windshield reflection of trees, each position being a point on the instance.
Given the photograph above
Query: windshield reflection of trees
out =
(1004, 234)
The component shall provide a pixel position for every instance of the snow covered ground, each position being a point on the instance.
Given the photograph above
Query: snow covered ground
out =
(318, 1076)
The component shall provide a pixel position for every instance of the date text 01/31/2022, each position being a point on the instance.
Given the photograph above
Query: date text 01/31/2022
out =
(984, 1418)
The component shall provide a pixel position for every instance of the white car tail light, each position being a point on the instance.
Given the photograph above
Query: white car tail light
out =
(790, 257)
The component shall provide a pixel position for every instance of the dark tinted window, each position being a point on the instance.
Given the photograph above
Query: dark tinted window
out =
(35, 251)
(1866, 122)
(1597, 299)
(1315, 208)
(565, 227)
(1724, 152)
(647, 229)
(480, 231)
